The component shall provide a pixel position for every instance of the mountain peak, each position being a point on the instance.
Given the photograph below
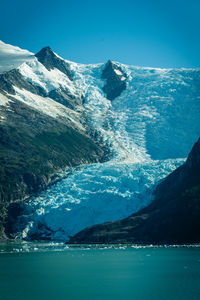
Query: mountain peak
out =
(45, 51)
(109, 62)
(115, 80)
(45, 55)
(50, 60)
(109, 66)
(46, 48)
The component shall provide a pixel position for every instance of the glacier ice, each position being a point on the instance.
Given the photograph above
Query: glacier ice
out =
(150, 129)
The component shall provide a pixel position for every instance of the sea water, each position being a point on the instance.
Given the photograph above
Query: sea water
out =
(50, 271)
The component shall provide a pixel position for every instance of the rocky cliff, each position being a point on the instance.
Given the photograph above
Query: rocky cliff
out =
(115, 80)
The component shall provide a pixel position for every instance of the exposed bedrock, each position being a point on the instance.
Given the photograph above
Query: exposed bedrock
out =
(115, 80)
(50, 60)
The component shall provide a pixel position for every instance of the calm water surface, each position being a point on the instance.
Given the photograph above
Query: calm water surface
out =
(48, 272)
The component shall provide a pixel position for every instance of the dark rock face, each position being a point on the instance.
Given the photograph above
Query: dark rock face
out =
(115, 80)
(173, 217)
(183, 178)
(51, 61)
(15, 78)
(66, 98)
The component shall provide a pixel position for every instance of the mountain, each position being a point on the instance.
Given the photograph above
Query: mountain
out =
(42, 129)
(87, 144)
(172, 218)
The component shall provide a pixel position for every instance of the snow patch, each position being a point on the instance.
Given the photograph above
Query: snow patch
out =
(48, 107)
(4, 100)
(118, 72)
(37, 74)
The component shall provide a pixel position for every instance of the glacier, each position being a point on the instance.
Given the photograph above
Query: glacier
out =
(150, 128)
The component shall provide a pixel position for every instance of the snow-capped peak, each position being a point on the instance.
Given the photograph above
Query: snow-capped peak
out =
(51, 61)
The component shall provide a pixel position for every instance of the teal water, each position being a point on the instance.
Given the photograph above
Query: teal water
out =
(99, 273)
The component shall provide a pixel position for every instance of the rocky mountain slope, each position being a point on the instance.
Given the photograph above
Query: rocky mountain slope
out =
(42, 127)
(172, 218)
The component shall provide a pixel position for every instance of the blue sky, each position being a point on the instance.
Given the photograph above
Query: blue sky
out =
(151, 33)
